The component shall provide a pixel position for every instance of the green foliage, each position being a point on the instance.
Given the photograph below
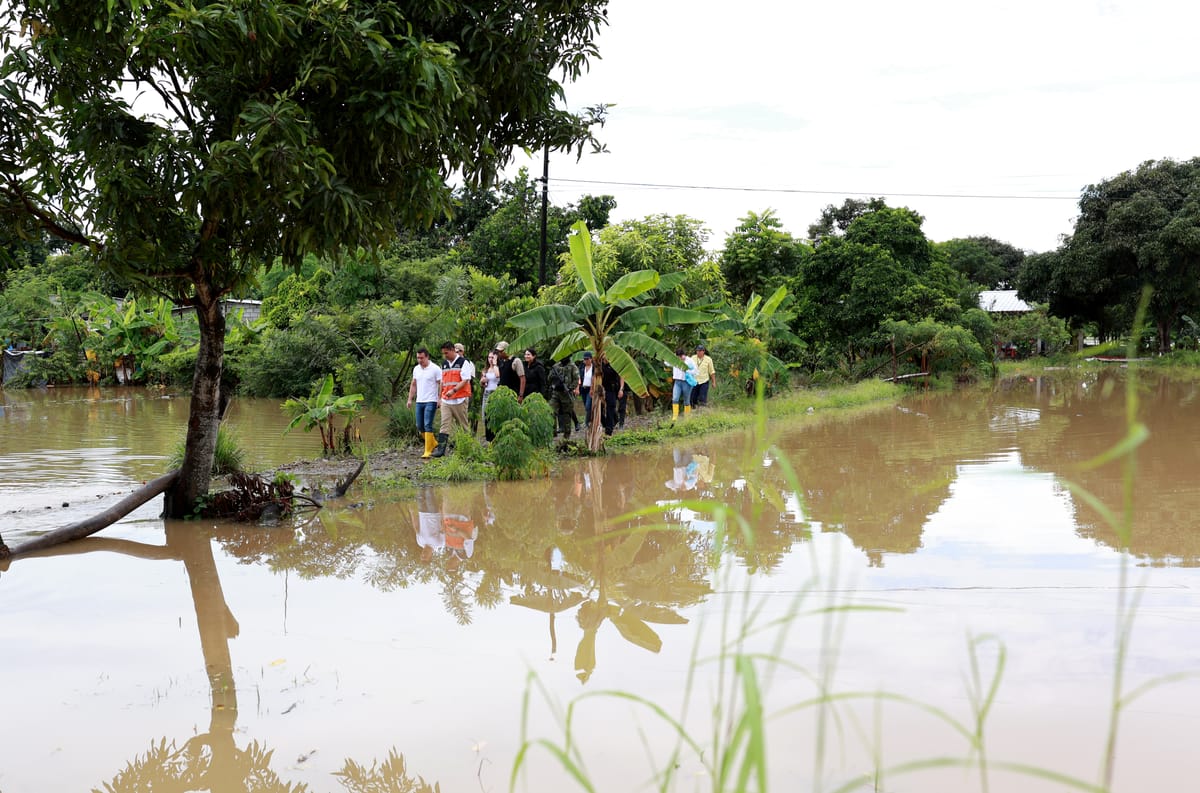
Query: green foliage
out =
(609, 321)
(319, 411)
(402, 424)
(287, 362)
(539, 420)
(295, 296)
(1138, 228)
(759, 256)
(740, 361)
(174, 368)
(835, 221)
(506, 242)
(988, 262)
(503, 407)
(879, 268)
(512, 450)
(934, 347)
(1024, 331)
(278, 129)
(468, 447)
(228, 458)
(672, 246)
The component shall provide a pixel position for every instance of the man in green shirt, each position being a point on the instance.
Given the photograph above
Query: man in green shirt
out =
(706, 374)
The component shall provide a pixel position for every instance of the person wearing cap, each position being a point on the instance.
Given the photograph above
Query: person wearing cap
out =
(457, 374)
(706, 373)
(512, 370)
(512, 376)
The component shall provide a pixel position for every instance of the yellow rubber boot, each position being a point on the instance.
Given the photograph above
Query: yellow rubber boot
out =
(430, 443)
(674, 411)
(687, 410)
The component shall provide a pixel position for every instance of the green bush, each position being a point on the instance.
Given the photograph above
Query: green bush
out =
(512, 450)
(736, 359)
(468, 462)
(468, 447)
(402, 424)
(288, 362)
(539, 419)
(228, 458)
(61, 367)
(503, 407)
(173, 368)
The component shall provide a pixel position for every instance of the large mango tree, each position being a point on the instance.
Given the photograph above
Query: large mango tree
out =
(613, 323)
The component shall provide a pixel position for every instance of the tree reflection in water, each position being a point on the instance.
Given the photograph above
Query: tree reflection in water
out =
(550, 545)
(212, 761)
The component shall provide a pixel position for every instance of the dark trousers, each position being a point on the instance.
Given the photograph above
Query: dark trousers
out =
(585, 393)
(608, 417)
(700, 394)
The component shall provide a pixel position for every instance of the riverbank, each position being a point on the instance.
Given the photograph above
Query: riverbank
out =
(399, 468)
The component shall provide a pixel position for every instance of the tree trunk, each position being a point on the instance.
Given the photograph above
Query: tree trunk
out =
(595, 431)
(205, 414)
(93, 524)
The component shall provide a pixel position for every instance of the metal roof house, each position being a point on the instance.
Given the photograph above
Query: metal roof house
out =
(1003, 301)
(251, 309)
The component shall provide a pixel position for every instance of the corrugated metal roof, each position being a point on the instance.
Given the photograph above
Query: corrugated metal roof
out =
(1002, 300)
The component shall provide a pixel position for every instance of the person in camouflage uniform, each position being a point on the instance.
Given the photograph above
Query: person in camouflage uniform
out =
(564, 389)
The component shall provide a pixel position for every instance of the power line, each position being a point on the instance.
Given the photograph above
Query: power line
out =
(817, 192)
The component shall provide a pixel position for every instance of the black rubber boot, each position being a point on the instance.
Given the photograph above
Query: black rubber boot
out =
(440, 451)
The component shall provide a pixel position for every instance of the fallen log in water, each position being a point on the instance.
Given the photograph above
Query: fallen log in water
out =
(76, 531)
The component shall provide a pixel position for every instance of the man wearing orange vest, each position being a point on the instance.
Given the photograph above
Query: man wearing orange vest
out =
(457, 374)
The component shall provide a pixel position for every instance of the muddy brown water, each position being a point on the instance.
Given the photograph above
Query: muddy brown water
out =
(394, 639)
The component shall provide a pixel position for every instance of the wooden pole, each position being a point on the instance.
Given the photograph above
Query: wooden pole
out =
(76, 531)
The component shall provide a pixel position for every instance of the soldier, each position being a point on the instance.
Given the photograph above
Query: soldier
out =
(564, 388)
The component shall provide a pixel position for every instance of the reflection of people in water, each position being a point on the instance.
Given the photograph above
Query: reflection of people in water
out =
(444, 524)
(428, 524)
(459, 532)
(690, 470)
(685, 473)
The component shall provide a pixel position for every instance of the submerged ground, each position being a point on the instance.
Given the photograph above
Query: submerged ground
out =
(400, 631)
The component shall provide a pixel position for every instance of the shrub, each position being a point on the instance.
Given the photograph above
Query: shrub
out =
(228, 458)
(402, 424)
(288, 362)
(59, 368)
(512, 450)
(173, 368)
(468, 447)
(503, 407)
(539, 419)
(468, 462)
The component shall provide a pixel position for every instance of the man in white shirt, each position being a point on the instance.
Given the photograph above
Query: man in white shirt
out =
(426, 381)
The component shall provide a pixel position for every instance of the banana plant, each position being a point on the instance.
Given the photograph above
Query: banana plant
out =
(611, 322)
(320, 410)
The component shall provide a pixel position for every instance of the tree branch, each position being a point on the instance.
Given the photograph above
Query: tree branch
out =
(45, 219)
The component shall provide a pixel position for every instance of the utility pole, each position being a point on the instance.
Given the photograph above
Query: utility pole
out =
(545, 200)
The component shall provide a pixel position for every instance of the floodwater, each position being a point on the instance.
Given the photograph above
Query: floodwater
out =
(390, 640)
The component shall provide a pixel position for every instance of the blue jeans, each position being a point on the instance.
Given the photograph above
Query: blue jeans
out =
(425, 411)
(682, 393)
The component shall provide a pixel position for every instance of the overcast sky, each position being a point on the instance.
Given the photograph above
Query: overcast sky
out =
(1024, 98)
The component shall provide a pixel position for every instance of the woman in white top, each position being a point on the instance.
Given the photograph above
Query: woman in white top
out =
(491, 381)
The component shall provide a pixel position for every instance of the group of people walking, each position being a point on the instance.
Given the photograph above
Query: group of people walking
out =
(448, 386)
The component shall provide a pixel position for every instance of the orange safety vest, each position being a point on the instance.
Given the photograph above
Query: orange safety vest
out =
(451, 377)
